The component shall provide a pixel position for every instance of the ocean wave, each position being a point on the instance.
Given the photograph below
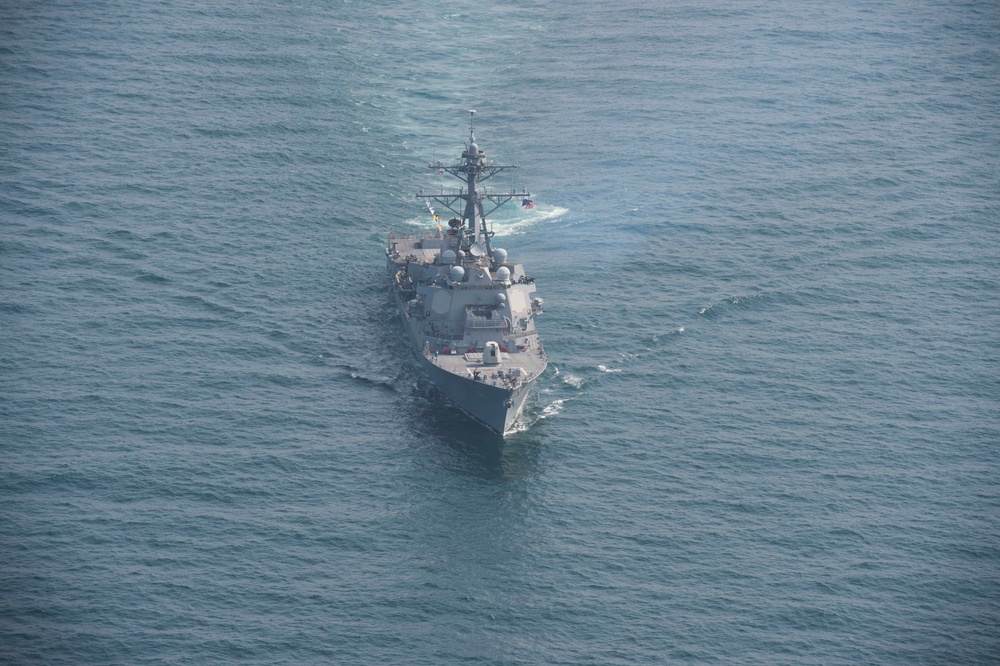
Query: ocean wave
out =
(526, 421)
(568, 378)
(679, 329)
(382, 382)
(735, 302)
(554, 409)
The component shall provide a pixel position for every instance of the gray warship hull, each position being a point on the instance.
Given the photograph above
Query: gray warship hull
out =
(468, 311)
(486, 404)
(495, 407)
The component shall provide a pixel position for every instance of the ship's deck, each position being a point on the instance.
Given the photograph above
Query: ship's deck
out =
(408, 247)
(513, 370)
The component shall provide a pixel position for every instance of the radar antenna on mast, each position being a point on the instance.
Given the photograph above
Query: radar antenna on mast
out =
(467, 202)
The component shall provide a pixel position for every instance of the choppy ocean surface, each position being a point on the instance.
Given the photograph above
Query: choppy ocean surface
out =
(767, 238)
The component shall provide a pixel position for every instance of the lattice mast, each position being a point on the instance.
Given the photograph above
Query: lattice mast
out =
(473, 171)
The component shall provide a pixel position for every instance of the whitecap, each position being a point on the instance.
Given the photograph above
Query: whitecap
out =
(520, 424)
(552, 410)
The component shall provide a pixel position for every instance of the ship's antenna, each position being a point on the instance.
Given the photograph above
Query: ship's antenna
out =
(472, 128)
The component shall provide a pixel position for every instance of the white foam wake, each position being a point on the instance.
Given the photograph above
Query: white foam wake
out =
(502, 227)
(528, 219)
(554, 409)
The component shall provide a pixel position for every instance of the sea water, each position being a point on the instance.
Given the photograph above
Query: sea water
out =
(767, 238)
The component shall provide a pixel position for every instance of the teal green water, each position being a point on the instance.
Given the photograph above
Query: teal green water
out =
(767, 240)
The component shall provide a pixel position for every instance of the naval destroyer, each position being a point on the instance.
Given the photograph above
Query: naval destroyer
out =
(467, 308)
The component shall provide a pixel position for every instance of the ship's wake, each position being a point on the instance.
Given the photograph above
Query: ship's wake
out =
(501, 225)
(526, 420)
(555, 409)
(528, 219)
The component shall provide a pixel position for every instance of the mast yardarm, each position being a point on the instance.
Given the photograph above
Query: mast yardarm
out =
(473, 171)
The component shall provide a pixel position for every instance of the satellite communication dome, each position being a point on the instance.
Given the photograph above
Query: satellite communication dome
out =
(457, 273)
(500, 254)
(448, 257)
(503, 273)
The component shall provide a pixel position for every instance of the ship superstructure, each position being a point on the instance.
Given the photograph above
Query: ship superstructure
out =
(468, 310)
